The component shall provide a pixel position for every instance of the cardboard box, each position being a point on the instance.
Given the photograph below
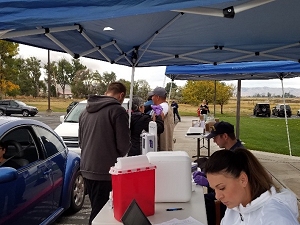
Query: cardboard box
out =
(208, 126)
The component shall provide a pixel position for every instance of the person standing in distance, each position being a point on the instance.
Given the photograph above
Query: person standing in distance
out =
(175, 107)
(204, 110)
(104, 135)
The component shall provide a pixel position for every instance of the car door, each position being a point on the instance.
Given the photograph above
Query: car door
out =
(56, 153)
(5, 106)
(14, 108)
(32, 202)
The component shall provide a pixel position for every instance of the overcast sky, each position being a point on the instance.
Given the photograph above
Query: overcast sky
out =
(155, 76)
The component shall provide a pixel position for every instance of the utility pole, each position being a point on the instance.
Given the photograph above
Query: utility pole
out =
(49, 83)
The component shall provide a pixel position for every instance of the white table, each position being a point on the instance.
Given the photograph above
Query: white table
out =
(197, 132)
(194, 208)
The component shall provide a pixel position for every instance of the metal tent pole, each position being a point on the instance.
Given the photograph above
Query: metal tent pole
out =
(238, 110)
(286, 121)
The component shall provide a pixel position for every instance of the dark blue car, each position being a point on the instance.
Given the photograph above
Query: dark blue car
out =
(40, 178)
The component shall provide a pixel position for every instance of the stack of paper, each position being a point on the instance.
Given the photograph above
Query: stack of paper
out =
(187, 221)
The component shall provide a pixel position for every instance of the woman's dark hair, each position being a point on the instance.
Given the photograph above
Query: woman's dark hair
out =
(237, 161)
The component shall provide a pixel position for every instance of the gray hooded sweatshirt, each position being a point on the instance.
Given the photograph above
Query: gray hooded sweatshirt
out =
(104, 135)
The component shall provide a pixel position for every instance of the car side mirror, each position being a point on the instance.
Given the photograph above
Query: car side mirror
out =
(62, 118)
(8, 174)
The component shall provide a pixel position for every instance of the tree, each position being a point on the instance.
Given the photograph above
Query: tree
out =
(85, 83)
(53, 74)
(141, 89)
(175, 91)
(10, 88)
(64, 74)
(224, 93)
(75, 67)
(106, 79)
(195, 91)
(34, 72)
(8, 50)
(168, 86)
(127, 85)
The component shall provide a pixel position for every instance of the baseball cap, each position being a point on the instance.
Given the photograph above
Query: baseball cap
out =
(221, 127)
(159, 91)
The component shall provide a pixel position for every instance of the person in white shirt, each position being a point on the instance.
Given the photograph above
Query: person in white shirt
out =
(246, 188)
(159, 96)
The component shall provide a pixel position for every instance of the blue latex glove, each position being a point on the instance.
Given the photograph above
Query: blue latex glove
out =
(196, 173)
(157, 109)
(201, 180)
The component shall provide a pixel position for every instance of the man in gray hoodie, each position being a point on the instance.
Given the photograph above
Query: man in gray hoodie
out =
(104, 135)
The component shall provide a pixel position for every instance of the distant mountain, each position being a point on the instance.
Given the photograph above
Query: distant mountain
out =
(246, 91)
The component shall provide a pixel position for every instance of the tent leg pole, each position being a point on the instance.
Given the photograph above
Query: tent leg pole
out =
(238, 110)
(170, 91)
(215, 97)
(286, 121)
(131, 93)
(49, 83)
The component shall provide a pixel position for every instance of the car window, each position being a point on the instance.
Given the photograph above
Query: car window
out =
(51, 143)
(23, 139)
(13, 104)
(4, 103)
(286, 106)
(21, 103)
(73, 116)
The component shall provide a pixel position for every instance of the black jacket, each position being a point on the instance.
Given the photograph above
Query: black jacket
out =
(140, 122)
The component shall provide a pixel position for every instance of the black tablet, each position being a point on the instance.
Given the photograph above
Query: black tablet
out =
(134, 215)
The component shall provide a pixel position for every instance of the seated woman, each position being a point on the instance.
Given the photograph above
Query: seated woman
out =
(246, 188)
(6, 162)
(139, 123)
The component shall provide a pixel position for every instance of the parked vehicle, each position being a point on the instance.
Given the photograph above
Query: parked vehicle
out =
(262, 109)
(45, 180)
(278, 110)
(71, 105)
(68, 129)
(8, 107)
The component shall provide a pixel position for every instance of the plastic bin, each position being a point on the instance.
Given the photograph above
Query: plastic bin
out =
(136, 183)
(173, 181)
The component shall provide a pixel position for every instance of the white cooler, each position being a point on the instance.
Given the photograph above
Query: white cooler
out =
(173, 182)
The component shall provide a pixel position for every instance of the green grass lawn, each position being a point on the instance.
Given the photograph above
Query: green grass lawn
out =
(268, 134)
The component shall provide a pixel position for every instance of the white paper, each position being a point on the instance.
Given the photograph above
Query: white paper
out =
(187, 221)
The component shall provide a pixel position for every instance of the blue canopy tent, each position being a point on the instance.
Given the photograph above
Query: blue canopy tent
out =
(238, 71)
(157, 32)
